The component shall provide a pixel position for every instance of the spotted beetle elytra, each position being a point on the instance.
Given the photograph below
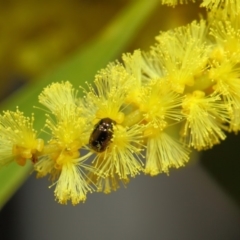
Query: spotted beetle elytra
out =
(101, 135)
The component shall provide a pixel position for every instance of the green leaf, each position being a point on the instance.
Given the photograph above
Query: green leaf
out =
(80, 68)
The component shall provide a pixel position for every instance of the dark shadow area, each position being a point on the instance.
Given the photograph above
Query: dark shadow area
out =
(223, 164)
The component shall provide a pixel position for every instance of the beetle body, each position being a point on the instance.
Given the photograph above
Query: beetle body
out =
(102, 135)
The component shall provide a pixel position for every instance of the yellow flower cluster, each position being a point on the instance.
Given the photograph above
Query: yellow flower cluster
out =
(143, 115)
(229, 7)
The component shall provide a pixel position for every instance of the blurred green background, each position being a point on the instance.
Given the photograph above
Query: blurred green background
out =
(44, 41)
(38, 35)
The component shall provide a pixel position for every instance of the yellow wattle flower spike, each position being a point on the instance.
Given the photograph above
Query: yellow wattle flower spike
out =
(229, 7)
(163, 153)
(182, 54)
(187, 84)
(205, 119)
(18, 139)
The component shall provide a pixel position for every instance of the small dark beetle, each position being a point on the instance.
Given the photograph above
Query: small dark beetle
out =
(101, 135)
